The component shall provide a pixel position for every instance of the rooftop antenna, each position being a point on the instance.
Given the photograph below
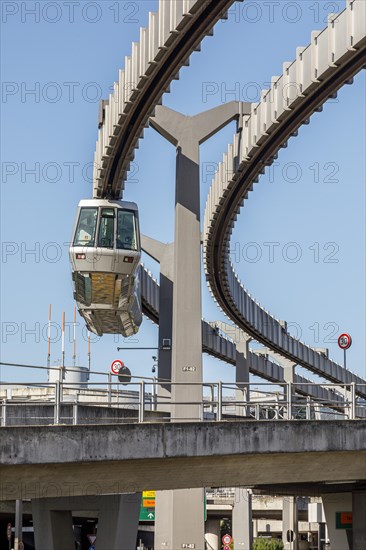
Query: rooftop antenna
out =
(49, 337)
(89, 355)
(74, 356)
(63, 345)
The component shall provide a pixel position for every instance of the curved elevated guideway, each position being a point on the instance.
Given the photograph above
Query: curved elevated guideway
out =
(332, 58)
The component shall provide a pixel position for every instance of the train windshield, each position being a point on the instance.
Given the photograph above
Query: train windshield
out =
(106, 228)
(126, 230)
(85, 231)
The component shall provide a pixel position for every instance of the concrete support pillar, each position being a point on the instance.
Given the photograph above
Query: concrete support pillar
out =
(359, 519)
(164, 254)
(242, 520)
(290, 533)
(187, 134)
(52, 528)
(333, 503)
(180, 514)
(242, 374)
(289, 377)
(212, 535)
(179, 519)
(242, 341)
(350, 408)
(117, 523)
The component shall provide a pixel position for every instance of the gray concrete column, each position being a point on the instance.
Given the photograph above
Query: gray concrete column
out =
(212, 535)
(164, 254)
(333, 503)
(52, 528)
(242, 373)
(359, 519)
(179, 519)
(348, 397)
(242, 520)
(117, 524)
(289, 377)
(290, 523)
(186, 134)
(242, 341)
(180, 514)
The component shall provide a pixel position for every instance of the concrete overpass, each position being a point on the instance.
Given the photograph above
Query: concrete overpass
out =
(56, 461)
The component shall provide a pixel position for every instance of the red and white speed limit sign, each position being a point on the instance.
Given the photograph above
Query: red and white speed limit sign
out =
(226, 539)
(116, 366)
(344, 341)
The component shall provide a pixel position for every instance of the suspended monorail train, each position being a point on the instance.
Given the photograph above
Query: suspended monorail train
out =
(105, 255)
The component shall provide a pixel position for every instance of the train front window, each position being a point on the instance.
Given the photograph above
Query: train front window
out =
(106, 228)
(126, 230)
(85, 231)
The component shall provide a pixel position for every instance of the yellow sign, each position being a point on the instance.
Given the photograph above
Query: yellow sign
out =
(148, 494)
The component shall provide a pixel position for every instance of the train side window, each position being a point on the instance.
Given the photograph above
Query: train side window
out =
(106, 228)
(126, 230)
(85, 231)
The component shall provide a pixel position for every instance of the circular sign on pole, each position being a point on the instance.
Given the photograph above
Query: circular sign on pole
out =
(344, 341)
(124, 375)
(226, 539)
(116, 366)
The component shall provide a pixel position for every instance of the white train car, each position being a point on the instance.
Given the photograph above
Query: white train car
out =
(105, 255)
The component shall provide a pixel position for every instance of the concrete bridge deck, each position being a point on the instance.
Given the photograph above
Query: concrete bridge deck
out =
(54, 461)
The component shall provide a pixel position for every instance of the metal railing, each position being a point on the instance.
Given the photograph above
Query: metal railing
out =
(156, 400)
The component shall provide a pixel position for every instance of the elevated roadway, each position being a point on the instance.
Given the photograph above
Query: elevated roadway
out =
(88, 460)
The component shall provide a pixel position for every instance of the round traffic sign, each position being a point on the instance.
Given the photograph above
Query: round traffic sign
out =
(116, 366)
(124, 375)
(344, 341)
(226, 539)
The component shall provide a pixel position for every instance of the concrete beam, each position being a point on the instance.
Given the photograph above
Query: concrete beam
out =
(56, 461)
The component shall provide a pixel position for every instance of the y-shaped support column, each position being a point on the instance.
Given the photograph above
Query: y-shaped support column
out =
(186, 134)
(180, 514)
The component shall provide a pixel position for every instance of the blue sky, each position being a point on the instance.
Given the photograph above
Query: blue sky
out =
(310, 206)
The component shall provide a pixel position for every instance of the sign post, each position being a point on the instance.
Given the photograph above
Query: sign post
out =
(8, 534)
(344, 342)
